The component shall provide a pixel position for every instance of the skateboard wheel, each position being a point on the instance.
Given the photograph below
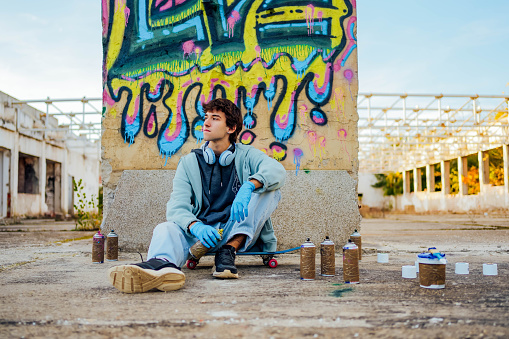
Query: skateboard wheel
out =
(191, 264)
(272, 263)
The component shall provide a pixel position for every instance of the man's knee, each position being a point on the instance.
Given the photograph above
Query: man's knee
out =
(168, 228)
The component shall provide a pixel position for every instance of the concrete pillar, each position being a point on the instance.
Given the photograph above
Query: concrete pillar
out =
(462, 172)
(406, 182)
(506, 172)
(430, 178)
(42, 179)
(64, 184)
(417, 180)
(15, 168)
(484, 170)
(445, 170)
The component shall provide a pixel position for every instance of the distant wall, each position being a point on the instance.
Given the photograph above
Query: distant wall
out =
(291, 66)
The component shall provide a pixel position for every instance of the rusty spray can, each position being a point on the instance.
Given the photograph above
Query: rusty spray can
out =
(327, 258)
(98, 248)
(357, 240)
(307, 260)
(112, 246)
(198, 250)
(350, 263)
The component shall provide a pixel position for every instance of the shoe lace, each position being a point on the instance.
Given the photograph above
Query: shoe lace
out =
(141, 256)
(228, 257)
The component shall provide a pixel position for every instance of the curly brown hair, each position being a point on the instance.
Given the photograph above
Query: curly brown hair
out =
(232, 113)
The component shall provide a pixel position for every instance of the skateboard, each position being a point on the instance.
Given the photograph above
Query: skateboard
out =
(267, 257)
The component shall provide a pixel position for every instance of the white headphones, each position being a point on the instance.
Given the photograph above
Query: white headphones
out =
(225, 158)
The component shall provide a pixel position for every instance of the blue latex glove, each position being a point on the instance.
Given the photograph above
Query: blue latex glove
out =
(239, 205)
(208, 235)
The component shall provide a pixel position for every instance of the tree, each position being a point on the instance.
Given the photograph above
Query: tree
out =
(392, 183)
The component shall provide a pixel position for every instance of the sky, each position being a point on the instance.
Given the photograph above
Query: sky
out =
(54, 48)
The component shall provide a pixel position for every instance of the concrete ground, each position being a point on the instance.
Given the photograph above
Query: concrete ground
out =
(50, 288)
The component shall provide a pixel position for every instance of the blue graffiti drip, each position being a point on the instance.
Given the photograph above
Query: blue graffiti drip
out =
(301, 66)
(285, 134)
(250, 103)
(169, 148)
(131, 130)
(248, 121)
(269, 94)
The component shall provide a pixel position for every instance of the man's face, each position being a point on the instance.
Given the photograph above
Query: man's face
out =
(214, 127)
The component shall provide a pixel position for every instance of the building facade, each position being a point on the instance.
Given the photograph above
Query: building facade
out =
(39, 161)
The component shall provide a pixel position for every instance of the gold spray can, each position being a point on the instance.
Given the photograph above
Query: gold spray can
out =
(198, 250)
(307, 261)
(357, 240)
(98, 248)
(327, 258)
(112, 246)
(350, 263)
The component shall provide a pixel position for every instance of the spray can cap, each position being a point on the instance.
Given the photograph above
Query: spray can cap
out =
(98, 234)
(112, 234)
(327, 241)
(308, 243)
(350, 245)
(355, 234)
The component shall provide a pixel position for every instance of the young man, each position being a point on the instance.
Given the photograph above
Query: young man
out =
(222, 185)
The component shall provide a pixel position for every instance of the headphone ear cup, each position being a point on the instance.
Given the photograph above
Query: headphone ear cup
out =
(226, 158)
(209, 156)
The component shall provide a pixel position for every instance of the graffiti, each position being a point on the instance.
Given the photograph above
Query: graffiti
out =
(277, 60)
(342, 138)
(297, 155)
(278, 151)
(321, 146)
(247, 137)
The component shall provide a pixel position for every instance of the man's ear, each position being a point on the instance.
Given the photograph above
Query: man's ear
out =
(231, 130)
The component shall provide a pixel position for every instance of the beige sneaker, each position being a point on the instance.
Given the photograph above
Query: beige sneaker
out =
(152, 274)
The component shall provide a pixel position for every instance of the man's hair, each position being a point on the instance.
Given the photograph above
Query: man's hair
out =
(232, 113)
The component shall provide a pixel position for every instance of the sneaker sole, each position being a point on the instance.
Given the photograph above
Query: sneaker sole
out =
(134, 279)
(226, 274)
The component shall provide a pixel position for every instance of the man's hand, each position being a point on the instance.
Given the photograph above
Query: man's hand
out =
(208, 235)
(239, 206)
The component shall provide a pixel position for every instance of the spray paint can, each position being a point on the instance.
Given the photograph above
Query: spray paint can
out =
(327, 257)
(350, 263)
(432, 269)
(307, 260)
(98, 248)
(198, 250)
(112, 246)
(357, 240)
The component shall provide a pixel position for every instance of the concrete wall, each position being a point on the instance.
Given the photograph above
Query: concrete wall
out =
(21, 133)
(371, 196)
(290, 66)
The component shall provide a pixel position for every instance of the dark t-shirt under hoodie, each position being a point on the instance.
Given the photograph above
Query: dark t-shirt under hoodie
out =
(220, 186)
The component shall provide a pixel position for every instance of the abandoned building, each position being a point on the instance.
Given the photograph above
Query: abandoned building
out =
(39, 160)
